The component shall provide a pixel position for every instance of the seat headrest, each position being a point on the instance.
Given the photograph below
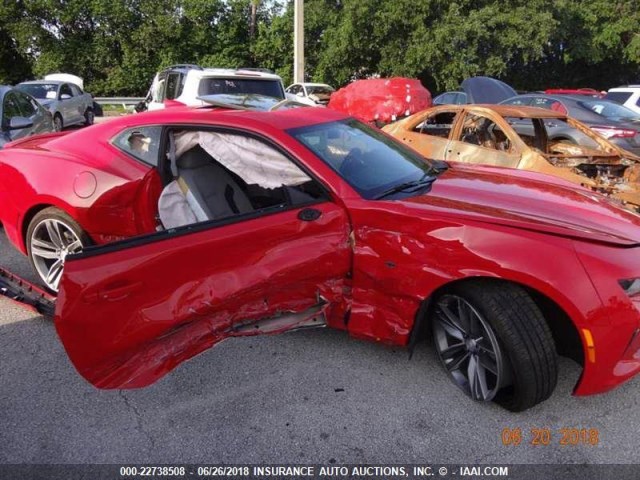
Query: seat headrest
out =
(194, 158)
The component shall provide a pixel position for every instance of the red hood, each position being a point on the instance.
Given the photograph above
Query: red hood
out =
(490, 195)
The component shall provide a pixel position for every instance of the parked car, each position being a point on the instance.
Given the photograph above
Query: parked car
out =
(585, 92)
(628, 95)
(183, 85)
(67, 77)
(21, 115)
(614, 122)
(313, 94)
(241, 223)
(525, 138)
(477, 90)
(66, 101)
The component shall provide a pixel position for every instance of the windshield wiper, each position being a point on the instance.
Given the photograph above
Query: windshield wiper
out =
(411, 186)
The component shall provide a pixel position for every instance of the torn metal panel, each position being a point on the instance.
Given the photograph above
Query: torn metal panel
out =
(129, 316)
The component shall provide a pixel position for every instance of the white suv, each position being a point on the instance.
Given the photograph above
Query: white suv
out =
(183, 84)
(629, 96)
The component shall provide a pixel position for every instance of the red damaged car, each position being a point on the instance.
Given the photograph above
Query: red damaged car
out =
(180, 228)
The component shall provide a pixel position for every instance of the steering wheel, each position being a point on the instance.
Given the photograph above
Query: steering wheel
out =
(353, 161)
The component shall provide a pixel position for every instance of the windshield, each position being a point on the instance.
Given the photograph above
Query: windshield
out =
(319, 89)
(610, 110)
(41, 91)
(270, 88)
(367, 159)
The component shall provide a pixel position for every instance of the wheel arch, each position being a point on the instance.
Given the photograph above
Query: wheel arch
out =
(566, 336)
(33, 211)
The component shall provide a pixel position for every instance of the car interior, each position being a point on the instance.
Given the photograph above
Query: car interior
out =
(438, 125)
(210, 175)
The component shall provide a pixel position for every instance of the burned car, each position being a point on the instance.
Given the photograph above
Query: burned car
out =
(524, 138)
(168, 232)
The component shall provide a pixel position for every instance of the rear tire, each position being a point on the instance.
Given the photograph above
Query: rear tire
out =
(58, 124)
(510, 324)
(51, 236)
(89, 117)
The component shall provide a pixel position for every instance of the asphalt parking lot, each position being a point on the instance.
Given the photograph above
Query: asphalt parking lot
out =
(307, 397)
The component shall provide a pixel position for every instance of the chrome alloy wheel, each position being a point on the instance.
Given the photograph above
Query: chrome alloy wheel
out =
(468, 348)
(52, 240)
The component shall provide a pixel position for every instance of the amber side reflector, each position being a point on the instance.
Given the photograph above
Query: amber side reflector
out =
(591, 348)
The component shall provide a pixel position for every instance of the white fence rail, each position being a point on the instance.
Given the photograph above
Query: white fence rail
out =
(125, 101)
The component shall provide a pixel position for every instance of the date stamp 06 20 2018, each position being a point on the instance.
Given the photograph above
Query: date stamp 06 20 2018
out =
(546, 436)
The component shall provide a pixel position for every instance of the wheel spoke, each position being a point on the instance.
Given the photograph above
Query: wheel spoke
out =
(456, 363)
(43, 249)
(53, 277)
(487, 362)
(54, 233)
(74, 246)
(481, 391)
(463, 315)
(450, 323)
(453, 350)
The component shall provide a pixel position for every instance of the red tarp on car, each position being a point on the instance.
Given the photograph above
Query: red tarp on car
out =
(381, 100)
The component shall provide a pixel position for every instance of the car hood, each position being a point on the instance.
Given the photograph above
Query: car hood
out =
(486, 90)
(45, 103)
(524, 201)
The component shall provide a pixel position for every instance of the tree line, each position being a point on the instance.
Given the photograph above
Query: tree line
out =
(118, 45)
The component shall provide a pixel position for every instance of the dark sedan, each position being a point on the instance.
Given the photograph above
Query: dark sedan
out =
(21, 115)
(616, 123)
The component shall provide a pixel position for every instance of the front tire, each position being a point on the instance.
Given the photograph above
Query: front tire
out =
(51, 236)
(495, 345)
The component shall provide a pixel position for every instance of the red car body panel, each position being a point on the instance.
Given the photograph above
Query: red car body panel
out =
(128, 326)
(130, 312)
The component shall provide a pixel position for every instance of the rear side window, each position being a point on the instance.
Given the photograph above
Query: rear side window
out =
(141, 142)
(174, 86)
(619, 97)
(66, 90)
(212, 86)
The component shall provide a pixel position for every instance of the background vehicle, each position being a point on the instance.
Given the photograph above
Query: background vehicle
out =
(305, 217)
(477, 90)
(381, 100)
(614, 122)
(313, 94)
(629, 96)
(183, 84)
(21, 115)
(66, 101)
(524, 138)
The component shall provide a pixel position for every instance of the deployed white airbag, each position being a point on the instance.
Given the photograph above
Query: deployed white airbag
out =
(252, 160)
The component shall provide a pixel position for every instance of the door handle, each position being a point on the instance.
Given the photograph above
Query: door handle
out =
(309, 214)
(119, 293)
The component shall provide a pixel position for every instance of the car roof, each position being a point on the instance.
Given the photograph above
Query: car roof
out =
(231, 72)
(4, 89)
(196, 116)
(519, 111)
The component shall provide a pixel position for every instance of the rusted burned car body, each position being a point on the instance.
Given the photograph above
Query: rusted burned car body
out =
(517, 137)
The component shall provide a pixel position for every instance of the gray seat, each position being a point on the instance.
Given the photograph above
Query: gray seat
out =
(212, 186)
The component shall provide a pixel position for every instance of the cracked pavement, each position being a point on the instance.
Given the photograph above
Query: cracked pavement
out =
(314, 396)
